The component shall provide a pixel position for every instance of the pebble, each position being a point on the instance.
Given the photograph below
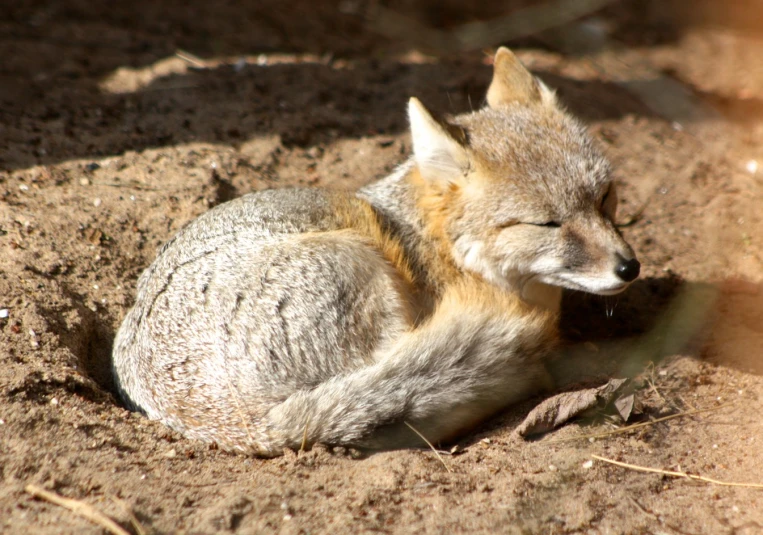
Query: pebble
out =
(4, 313)
(97, 202)
(751, 166)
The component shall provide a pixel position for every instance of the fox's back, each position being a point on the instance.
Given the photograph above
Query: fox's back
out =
(253, 301)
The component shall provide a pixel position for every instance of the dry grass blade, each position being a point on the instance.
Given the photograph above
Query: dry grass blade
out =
(677, 474)
(430, 445)
(303, 447)
(82, 509)
(629, 428)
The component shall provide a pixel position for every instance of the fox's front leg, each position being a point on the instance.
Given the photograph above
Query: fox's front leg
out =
(480, 351)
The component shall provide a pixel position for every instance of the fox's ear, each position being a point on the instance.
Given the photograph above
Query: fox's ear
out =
(513, 83)
(438, 147)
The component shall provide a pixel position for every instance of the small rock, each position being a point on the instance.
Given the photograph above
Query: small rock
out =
(84, 181)
(4, 313)
(92, 166)
(97, 202)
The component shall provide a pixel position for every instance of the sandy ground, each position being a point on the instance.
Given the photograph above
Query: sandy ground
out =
(110, 142)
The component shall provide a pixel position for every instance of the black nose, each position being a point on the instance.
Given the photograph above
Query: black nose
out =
(627, 270)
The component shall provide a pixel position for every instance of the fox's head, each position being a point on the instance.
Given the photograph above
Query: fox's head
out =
(520, 190)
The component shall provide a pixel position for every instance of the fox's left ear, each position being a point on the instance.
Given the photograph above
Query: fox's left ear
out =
(438, 147)
(513, 83)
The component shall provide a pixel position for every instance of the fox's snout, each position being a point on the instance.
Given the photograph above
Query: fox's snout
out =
(593, 257)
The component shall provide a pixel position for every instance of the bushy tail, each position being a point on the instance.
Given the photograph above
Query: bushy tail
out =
(442, 378)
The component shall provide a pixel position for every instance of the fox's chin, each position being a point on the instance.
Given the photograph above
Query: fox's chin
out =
(611, 291)
(593, 287)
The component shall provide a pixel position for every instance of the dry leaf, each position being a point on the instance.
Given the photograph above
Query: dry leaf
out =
(560, 409)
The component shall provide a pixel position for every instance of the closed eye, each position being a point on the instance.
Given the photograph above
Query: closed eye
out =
(552, 224)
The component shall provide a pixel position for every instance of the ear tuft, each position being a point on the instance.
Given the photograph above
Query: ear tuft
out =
(437, 146)
(512, 82)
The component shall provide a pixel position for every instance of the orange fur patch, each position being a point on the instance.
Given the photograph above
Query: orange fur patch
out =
(473, 293)
(438, 204)
(358, 215)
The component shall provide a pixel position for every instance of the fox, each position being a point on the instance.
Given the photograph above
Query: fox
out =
(412, 309)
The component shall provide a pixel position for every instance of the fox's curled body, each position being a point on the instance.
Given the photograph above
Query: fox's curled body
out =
(427, 300)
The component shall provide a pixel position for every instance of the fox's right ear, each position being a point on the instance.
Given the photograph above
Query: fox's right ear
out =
(512, 82)
(438, 148)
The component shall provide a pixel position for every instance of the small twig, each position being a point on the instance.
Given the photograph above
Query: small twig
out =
(137, 526)
(637, 426)
(127, 186)
(653, 386)
(677, 474)
(692, 407)
(77, 507)
(430, 445)
(653, 516)
(190, 58)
